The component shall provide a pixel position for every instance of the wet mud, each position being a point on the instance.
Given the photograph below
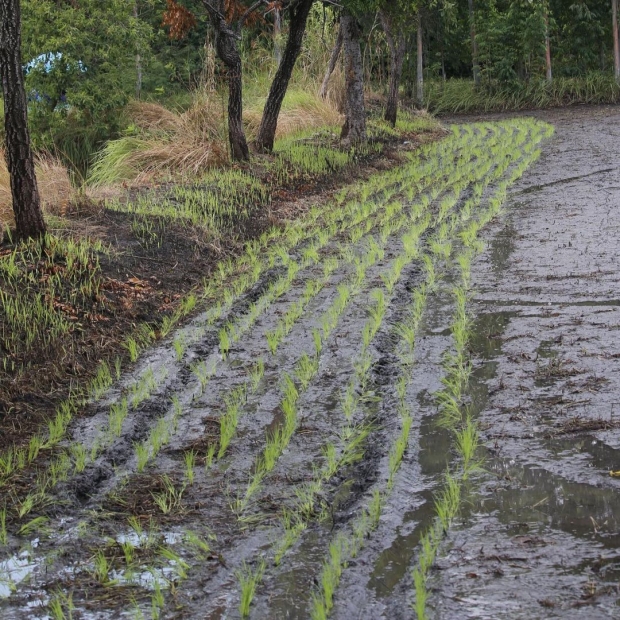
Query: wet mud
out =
(539, 537)
(537, 533)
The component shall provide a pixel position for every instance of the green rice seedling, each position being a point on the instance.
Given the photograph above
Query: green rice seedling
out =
(59, 604)
(225, 340)
(143, 454)
(3, 531)
(128, 552)
(180, 565)
(179, 347)
(248, 579)
(201, 547)
(273, 340)
(190, 461)
(157, 598)
(256, 374)
(34, 525)
(79, 455)
(305, 369)
(116, 417)
(203, 372)
(101, 568)
(210, 455)
(170, 498)
(132, 347)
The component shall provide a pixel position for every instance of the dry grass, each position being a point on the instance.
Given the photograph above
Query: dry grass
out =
(165, 142)
(54, 187)
(301, 110)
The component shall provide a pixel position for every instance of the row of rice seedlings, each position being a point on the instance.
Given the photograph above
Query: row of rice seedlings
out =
(294, 521)
(103, 378)
(458, 369)
(232, 332)
(343, 548)
(305, 369)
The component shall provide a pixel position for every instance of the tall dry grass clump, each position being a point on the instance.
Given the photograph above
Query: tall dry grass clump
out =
(54, 187)
(165, 142)
(301, 110)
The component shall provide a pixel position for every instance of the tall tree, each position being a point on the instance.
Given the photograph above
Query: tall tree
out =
(354, 128)
(474, 43)
(20, 162)
(298, 11)
(419, 91)
(396, 36)
(331, 65)
(548, 70)
(614, 26)
(227, 26)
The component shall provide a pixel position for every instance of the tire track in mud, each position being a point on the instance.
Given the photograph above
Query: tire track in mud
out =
(215, 490)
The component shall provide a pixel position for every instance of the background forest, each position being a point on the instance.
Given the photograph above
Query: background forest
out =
(87, 60)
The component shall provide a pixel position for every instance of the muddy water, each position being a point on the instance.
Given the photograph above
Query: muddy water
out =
(540, 537)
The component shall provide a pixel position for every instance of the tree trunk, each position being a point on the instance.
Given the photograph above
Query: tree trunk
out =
(269, 123)
(19, 159)
(614, 18)
(549, 74)
(228, 52)
(474, 43)
(138, 59)
(354, 128)
(277, 29)
(397, 44)
(420, 65)
(332, 63)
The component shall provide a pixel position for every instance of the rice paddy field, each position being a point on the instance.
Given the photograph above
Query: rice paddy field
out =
(398, 406)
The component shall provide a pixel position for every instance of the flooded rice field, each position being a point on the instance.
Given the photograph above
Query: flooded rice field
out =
(411, 411)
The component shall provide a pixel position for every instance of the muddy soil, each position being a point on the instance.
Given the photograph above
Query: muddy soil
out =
(539, 538)
(537, 534)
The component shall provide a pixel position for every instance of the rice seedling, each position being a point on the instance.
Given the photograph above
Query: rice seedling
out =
(248, 579)
(170, 498)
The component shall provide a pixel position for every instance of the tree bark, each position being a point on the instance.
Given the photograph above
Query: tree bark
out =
(332, 63)
(397, 43)
(549, 74)
(138, 59)
(474, 43)
(277, 29)
(354, 128)
(20, 162)
(614, 19)
(227, 50)
(269, 123)
(420, 65)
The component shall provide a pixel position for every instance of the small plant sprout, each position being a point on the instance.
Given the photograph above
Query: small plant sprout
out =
(190, 462)
(248, 580)
(179, 346)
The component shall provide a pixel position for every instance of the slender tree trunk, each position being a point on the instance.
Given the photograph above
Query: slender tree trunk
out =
(332, 63)
(474, 43)
(549, 74)
(269, 123)
(277, 30)
(420, 65)
(354, 128)
(614, 22)
(138, 59)
(228, 52)
(396, 42)
(20, 162)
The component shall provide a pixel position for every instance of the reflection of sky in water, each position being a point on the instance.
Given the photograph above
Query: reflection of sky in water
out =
(15, 570)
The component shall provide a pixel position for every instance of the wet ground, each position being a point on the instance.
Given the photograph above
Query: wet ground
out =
(537, 533)
(540, 538)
